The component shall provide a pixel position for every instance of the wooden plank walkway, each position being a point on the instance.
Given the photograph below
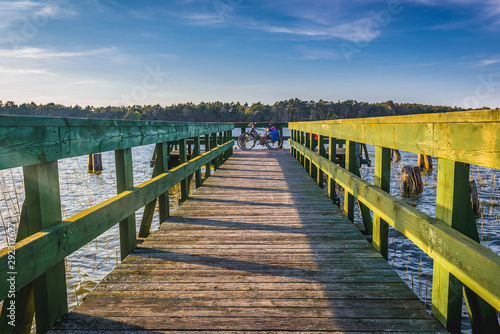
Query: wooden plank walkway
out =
(258, 248)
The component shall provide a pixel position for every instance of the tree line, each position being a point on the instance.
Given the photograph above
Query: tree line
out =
(283, 111)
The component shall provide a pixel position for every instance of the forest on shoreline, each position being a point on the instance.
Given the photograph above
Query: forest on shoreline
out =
(282, 111)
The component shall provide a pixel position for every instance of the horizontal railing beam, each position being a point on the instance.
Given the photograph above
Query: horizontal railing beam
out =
(471, 137)
(473, 264)
(33, 140)
(39, 252)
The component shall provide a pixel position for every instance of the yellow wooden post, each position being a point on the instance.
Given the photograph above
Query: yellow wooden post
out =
(382, 179)
(125, 181)
(454, 208)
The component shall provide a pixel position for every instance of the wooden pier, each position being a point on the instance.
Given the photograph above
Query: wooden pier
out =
(259, 247)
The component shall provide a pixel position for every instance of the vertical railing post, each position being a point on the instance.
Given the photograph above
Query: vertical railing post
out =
(454, 208)
(292, 136)
(162, 165)
(307, 144)
(125, 181)
(221, 141)
(43, 210)
(215, 161)
(208, 146)
(183, 159)
(350, 165)
(312, 166)
(23, 300)
(332, 155)
(302, 142)
(321, 152)
(197, 153)
(382, 180)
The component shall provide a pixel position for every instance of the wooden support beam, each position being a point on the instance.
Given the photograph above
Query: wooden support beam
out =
(23, 304)
(454, 208)
(208, 147)
(332, 156)
(197, 153)
(43, 210)
(322, 152)
(382, 179)
(183, 159)
(149, 209)
(162, 163)
(351, 165)
(124, 182)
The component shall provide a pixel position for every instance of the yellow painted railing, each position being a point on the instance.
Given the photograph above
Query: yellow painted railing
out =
(462, 267)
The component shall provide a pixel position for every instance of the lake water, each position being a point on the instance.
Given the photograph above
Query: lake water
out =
(89, 265)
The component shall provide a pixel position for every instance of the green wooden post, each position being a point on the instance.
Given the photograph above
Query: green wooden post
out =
(215, 162)
(321, 152)
(221, 141)
(382, 179)
(162, 163)
(312, 145)
(183, 159)
(43, 210)
(306, 161)
(208, 146)
(453, 207)
(124, 182)
(149, 209)
(350, 165)
(24, 302)
(197, 153)
(302, 142)
(332, 150)
(292, 136)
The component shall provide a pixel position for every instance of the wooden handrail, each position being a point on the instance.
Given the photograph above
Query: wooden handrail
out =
(451, 239)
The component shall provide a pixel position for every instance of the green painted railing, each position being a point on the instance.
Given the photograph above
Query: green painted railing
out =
(36, 262)
(462, 267)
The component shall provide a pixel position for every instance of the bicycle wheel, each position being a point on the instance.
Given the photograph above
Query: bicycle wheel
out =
(273, 145)
(246, 141)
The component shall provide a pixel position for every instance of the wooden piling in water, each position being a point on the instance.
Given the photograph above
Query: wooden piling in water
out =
(412, 181)
(425, 162)
(474, 197)
(95, 163)
(395, 156)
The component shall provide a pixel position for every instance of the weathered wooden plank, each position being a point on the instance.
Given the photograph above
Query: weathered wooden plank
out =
(235, 258)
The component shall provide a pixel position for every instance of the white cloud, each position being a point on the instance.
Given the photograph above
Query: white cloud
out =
(38, 53)
(491, 61)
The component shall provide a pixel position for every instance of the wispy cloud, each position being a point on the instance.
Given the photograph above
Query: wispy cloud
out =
(39, 53)
(490, 61)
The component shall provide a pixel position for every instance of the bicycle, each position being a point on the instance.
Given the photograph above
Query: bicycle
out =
(246, 141)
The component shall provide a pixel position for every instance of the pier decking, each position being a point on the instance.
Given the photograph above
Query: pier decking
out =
(259, 247)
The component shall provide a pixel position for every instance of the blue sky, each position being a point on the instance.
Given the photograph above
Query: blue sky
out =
(103, 52)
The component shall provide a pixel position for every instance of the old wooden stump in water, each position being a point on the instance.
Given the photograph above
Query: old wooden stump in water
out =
(412, 181)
